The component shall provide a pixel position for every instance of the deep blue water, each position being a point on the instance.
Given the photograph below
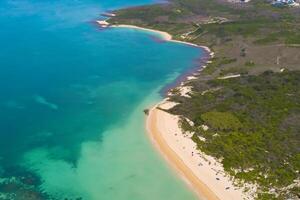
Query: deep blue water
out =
(66, 86)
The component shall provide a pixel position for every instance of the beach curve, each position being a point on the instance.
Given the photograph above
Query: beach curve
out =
(165, 35)
(202, 173)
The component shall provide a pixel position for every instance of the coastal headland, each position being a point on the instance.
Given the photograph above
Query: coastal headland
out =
(161, 127)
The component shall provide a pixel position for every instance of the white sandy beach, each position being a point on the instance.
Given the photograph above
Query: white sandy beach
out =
(165, 36)
(203, 173)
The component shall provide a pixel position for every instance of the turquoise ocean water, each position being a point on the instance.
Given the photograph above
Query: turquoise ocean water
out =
(71, 104)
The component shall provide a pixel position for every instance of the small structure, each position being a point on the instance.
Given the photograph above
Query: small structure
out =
(281, 3)
(103, 24)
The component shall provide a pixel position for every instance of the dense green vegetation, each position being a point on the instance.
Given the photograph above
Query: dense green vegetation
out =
(223, 121)
(258, 28)
(254, 128)
(259, 20)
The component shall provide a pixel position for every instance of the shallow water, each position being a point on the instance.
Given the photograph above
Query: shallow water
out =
(72, 100)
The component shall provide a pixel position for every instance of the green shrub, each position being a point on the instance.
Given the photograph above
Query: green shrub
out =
(221, 120)
(249, 64)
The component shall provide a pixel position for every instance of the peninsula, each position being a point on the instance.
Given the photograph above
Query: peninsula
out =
(231, 129)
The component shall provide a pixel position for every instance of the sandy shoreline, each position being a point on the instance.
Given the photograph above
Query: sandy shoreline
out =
(159, 141)
(202, 173)
(165, 36)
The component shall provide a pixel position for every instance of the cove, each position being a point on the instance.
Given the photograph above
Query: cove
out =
(72, 100)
